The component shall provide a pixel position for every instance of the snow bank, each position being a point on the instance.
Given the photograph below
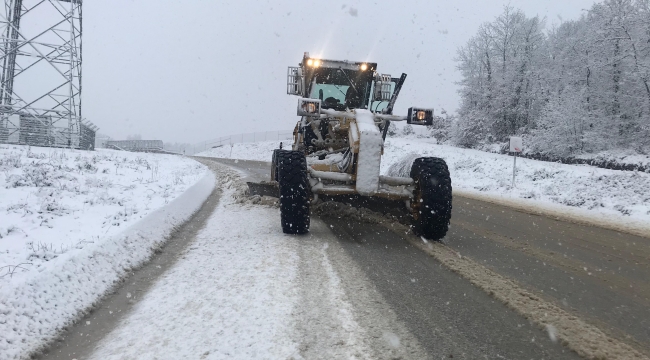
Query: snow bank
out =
(85, 219)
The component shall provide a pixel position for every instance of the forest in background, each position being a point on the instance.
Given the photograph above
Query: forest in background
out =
(580, 87)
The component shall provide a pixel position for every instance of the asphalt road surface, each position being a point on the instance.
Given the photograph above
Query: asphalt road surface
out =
(601, 275)
(598, 275)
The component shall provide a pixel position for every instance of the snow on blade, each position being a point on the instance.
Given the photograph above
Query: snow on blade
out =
(369, 162)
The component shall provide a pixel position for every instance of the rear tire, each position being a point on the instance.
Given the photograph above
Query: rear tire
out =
(431, 197)
(294, 191)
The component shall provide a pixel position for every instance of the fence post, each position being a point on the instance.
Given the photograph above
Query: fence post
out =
(514, 171)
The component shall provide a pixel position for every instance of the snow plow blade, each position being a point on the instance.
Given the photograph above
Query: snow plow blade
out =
(264, 188)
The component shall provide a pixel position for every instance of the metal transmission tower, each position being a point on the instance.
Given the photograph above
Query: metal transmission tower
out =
(40, 93)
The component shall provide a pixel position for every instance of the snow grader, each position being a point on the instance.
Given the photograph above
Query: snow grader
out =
(345, 110)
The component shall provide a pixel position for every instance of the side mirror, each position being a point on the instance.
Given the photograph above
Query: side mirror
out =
(382, 88)
(419, 116)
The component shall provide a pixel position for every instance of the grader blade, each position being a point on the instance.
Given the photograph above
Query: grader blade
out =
(264, 188)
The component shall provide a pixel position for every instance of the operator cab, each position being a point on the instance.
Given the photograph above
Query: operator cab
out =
(339, 89)
(343, 85)
(340, 85)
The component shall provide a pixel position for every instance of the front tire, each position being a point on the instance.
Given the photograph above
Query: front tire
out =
(294, 191)
(431, 197)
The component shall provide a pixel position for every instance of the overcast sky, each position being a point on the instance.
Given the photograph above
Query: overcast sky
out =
(189, 71)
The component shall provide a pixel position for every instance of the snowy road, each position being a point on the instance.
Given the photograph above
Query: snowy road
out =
(350, 289)
(603, 276)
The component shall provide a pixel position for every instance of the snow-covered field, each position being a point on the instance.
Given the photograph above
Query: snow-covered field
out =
(74, 222)
(617, 199)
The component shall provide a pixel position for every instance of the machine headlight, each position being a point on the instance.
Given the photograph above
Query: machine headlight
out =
(420, 116)
(364, 67)
(313, 62)
(308, 107)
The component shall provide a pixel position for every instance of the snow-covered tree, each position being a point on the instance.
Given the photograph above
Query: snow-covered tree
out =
(471, 129)
(407, 130)
(582, 86)
(562, 126)
(500, 86)
(441, 127)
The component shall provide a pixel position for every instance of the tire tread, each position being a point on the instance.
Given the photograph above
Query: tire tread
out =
(294, 191)
(433, 180)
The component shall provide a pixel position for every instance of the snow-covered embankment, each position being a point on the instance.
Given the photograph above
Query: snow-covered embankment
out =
(619, 200)
(74, 223)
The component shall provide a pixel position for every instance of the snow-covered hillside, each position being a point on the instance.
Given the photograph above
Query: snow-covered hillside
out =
(85, 216)
(578, 190)
(57, 201)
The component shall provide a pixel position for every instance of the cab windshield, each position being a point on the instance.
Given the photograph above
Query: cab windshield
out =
(330, 94)
(340, 89)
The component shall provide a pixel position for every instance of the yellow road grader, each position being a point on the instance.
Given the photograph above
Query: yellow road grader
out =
(345, 110)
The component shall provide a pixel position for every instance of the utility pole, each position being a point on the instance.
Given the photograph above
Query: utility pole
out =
(47, 45)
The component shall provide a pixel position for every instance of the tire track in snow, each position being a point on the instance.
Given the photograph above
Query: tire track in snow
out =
(231, 296)
(244, 290)
(325, 322)
(339, 313)
(585, 339)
